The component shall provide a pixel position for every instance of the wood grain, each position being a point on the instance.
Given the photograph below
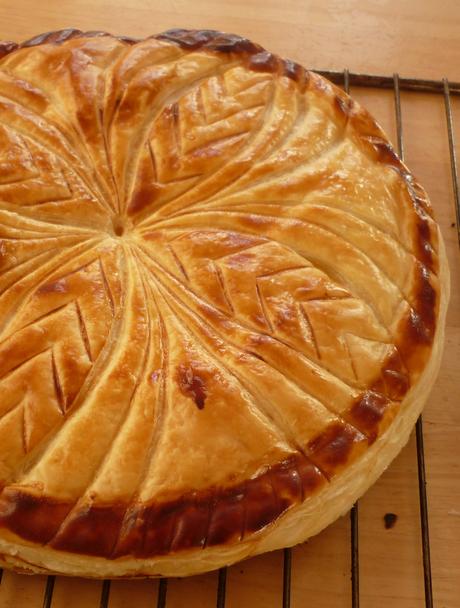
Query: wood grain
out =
(415, 39)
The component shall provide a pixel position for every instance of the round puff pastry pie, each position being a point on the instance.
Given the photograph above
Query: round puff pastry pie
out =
(222, 299)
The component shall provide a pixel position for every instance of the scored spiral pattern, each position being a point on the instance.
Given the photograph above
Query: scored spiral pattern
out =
(217, 283)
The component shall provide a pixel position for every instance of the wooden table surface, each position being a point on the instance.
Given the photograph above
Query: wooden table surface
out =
(415, 38)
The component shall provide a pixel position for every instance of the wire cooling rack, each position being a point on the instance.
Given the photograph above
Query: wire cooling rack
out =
(345, 79)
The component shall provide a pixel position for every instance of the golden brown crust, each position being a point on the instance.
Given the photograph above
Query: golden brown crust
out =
(240, 252)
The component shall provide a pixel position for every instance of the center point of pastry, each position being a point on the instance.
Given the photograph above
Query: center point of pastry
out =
(119, 225)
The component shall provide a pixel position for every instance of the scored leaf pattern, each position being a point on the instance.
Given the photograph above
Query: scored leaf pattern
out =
(193, 270)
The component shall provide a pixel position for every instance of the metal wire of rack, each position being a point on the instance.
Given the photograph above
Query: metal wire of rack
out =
(347, 79)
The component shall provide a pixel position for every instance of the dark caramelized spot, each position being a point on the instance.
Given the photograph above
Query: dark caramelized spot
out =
(231, 43)
(419, 326)
(60, 36)
(287, 483)
(385, 152)
(92, 530)
(418, 195)
(118, 225)
(417, 329)
(189, 39)
(261, 504)
(59, 286)
(396, 384)
(158, 530)
(263, 62)
(131, 535)
(333, 447)
(294, 71)
(227, 518)
(344, 104)
(311, 478)
(209, 39)
(394, 381)
(424, 237)
(368, 412)
(54, 37)
(32, 517)
(191, 384)
(191, 524)
(425, 249)
(7, 47)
